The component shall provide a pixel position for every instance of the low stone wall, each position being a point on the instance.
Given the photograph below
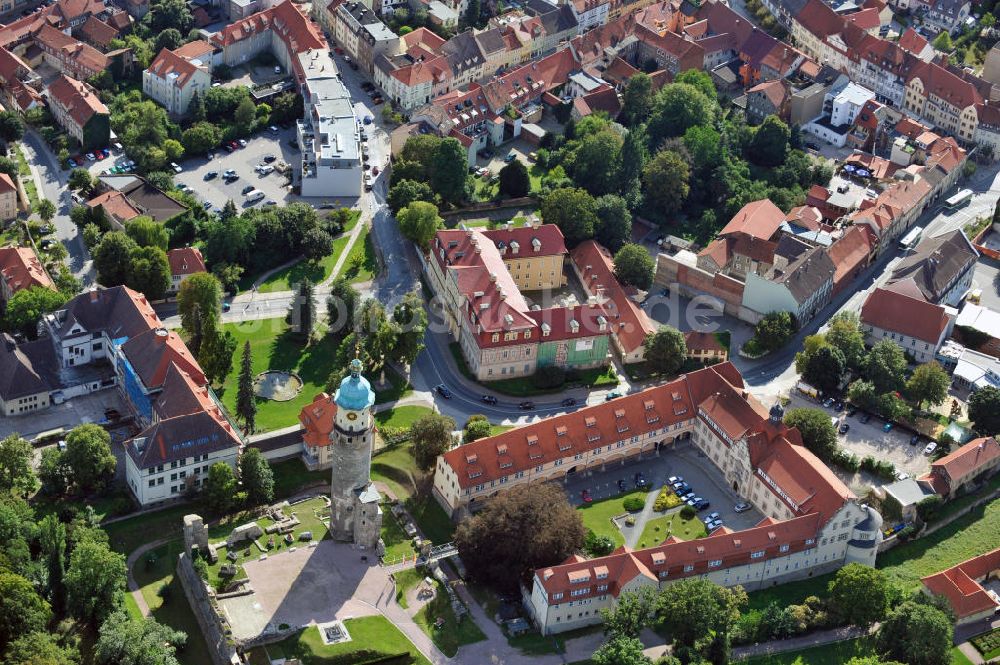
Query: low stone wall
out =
(221, 647)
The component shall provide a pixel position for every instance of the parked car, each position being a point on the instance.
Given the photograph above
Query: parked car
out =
(844, 428)
(640, 480)
(526, 405)
(887, 427)
(682, 490)
(675, 479)
(569, 401)
(828, 402)
(374, 170)
(585, 496)
(678, 483)
(247, 189)
(443, 391)
(511, 156)
(838, 405)
(702, 504)
(915, 439)
(488, 399)
(930, 448)
(226, 307)
(228, 172)
(368, 119)
(902, 475)
(742, 507)
(612, 395)
(694, 501)
(711, 517)
(712, 526)
(243, 143)
(270, 202)
(621, 485)
(176, 167)
(688, 496)
(269, 158)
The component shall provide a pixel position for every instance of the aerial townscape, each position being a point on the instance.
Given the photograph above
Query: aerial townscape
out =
(499, 332)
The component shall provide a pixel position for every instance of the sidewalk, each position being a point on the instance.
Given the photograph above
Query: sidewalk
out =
(818, 638)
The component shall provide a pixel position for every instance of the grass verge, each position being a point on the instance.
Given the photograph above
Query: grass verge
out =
(315, 271)
(373, 640)
(452, 632)
(597, 515)
(658, 528)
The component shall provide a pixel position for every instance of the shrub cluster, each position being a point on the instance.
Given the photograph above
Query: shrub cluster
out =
(881, 468)
(666, 500)
(634, 504)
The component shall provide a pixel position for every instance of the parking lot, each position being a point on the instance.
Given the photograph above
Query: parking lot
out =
(870, 439)
(84, 409)
(686, 461)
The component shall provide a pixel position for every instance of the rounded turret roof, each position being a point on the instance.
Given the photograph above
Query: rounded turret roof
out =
(355, 393)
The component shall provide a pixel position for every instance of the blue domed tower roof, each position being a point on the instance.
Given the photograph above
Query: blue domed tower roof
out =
(355, 393)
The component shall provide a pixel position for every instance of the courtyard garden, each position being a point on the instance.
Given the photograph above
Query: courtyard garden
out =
(597, 516)
(673, 524)
(373, 640)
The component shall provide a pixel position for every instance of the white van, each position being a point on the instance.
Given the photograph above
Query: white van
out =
(254, 195)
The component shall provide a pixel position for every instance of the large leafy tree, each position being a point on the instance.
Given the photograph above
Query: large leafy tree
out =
(410, 319)
(147, 233)
(597, 160)
(929, 383)
(11, 127)
(844, 333)
(885, 366)
(774, 330)
(405, 192)
(917, 634)
(201, 137)
(199, 302)
(860, 594)
(340, 307)
(666, 350)
(216, 353)
(984, 410)
(52, 540)
(430, 436)
(26, 308)
(514, 179)
(16, 472)
(113, 257)
(677, 108)
(39, 648)
(635, 154)
(95, 581)
(449, 170)
(246, 400)
(634, 611)
(825, 368)
(695, 609)
(573, 211)
(665, 183)
(149, 272)
(257, 477)
(22, 610)
(634, 266)
(88, 456)
(637, 100)
(528, 527)
(219, 488)
(770, 142)
(123, 640)
(418, 222)
(817, 431)
(614, 221)
(621, 651)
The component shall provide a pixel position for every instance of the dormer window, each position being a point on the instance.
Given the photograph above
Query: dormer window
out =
(560, 431)
(471, 458)
(501, 449)
(649, 404)
(532, 440)
(590, 421)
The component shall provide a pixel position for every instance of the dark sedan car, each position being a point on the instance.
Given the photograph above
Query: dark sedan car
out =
(526, 405)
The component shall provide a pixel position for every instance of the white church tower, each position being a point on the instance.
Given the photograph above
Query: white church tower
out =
(355, 515)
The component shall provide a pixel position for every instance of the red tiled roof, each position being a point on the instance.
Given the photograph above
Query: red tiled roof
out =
(80, 101)
(604, 99)
(629, 323)
(198, 49)
(168, 63)
(900, 313)
(97, 31)
(84, 55)
(866, 19)
(317, 418)
(185, 261)
(759, 219)
(849, 252)
(960, 587)
(116, 205)
(557, 323)
(549, 238)
(976, 454)
(702, 341)
(153, 352)
(20, 267)
(912, 41)
(285, 19)
(182, 395)
(942, 83)
(773, 90)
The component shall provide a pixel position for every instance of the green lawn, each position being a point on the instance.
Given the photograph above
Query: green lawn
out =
(316, 272)
(291, 475)
(658, 528)
(274, 346)
(126, 535)
(29, 182)
(397, 544)
(453, 633)
(830, 654)
(398, 387)
(173, 610)
(597, 515)
(402, 416)
(406, 580)
(524, 386)
(959, 658)
(792, 593)
(372, 639)
(536, 644)
(361, 263)
(971, 535)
